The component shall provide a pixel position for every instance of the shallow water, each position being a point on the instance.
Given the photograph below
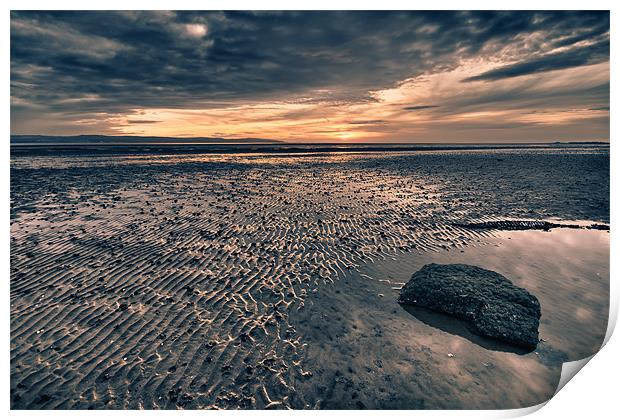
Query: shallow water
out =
(357, 327)
(566, 269)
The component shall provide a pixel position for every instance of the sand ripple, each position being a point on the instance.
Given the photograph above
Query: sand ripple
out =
(169, 285)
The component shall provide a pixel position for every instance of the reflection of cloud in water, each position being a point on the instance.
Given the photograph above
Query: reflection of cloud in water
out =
(566, 269)
(583, 314)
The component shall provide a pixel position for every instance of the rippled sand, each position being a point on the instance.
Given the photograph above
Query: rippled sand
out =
(210, 281)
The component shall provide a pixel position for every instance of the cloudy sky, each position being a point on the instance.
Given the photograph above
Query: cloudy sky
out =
(313, 76)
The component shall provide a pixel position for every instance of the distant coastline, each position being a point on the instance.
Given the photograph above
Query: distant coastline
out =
(94, 140)
(581, 142)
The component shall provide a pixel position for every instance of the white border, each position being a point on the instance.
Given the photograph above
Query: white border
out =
(592, 394)
(312, 5)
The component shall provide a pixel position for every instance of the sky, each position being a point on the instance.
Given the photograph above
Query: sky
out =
(420, 77)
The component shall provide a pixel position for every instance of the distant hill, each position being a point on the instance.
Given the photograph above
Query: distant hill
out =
(97, 139)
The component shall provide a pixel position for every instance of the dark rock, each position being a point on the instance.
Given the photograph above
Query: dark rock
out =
(528, 225)
(489, 301)
(598, 226)
(514, 225)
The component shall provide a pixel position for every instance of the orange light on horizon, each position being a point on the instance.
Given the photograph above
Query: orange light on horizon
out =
(428, 106)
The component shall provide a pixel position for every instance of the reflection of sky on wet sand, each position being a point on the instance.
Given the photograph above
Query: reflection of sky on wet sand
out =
(39, 162)
(566, 269)
(102, 156)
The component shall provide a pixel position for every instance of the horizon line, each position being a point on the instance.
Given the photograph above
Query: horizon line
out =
(258, 140)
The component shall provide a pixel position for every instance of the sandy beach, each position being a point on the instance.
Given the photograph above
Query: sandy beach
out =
(270, 280)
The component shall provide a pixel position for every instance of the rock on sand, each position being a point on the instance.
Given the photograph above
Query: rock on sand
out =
(496, 308)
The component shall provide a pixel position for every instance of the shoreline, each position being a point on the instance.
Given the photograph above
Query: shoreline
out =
(54, 149)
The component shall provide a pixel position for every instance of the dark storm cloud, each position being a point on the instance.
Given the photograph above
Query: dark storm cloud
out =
(531, 96)
(143, 121)
(419, 107)
(575, 57)
(367, 122)
(87, 63)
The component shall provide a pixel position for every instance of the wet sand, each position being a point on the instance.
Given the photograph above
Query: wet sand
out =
(254, 281)
(368, 351)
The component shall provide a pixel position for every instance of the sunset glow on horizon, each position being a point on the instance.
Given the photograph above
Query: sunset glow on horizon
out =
(348, 77)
